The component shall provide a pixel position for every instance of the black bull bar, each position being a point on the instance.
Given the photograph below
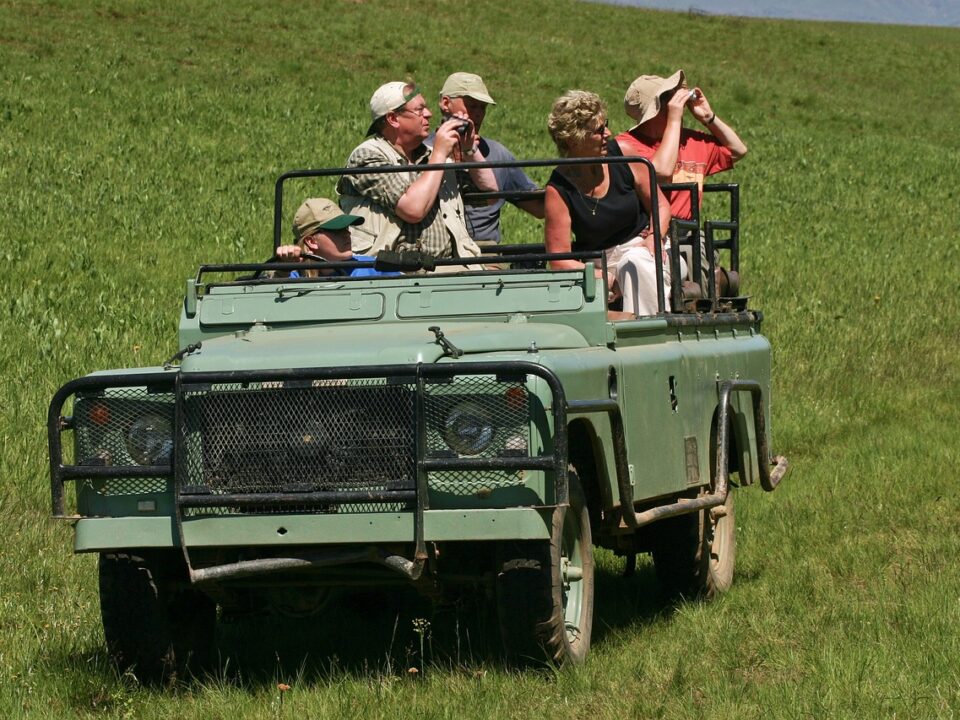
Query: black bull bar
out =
(173, 381)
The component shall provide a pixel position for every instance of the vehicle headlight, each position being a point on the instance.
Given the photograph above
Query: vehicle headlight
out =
(469, 430)
(150, 440)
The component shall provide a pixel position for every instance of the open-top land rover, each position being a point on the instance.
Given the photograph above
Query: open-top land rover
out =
(487, 425)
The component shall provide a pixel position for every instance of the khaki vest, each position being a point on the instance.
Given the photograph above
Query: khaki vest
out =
(381, 227)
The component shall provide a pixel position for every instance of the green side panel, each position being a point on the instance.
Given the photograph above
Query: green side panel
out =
(666, 381)
(315, 305)
(707, 358)
(673, 392)
(492, 298)
(96, 534)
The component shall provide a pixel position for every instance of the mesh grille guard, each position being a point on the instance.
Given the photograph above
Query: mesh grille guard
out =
(283, 407)
(320, 438)
(255, 439)
(268, 450)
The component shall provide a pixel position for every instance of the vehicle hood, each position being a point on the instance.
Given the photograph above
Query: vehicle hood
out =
(264, 348)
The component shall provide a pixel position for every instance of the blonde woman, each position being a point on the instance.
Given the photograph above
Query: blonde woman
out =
(603, 206)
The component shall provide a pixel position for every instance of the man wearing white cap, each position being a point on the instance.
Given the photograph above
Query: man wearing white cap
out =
(410, 210)
(465, 94)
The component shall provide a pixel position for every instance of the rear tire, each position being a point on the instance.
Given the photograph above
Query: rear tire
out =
(545, 589)
(154, 623)
(694, 555)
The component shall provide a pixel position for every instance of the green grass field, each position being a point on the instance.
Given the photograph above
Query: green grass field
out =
(138, 139)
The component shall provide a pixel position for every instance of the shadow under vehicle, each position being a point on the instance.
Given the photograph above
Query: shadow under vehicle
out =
(480, 429)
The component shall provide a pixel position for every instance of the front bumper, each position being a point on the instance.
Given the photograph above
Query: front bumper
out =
(103, 534)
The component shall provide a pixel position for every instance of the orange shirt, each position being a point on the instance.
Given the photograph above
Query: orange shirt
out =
(699, 155)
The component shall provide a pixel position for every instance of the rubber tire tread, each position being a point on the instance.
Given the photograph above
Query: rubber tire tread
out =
(529, 593)
(150, 631)
(682, 554)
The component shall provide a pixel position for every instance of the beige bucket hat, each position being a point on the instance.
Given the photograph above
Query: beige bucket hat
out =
(320, 214)
(642, 101)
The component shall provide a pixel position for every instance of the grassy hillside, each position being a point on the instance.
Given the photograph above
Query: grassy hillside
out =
(138, 139)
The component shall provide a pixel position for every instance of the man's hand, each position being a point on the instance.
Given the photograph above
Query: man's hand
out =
(289, 253)
(613, 287)
(700, 107)
(677, 103)
(469, 140)
(650, 245)
(466, 148)
(447, 138)
(724, 134)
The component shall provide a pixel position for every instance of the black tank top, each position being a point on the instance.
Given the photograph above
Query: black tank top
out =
(619, 215)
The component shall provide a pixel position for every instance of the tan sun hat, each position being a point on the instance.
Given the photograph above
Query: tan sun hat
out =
(461, 84)
(388, 97)
(320, 214)
(642, 101)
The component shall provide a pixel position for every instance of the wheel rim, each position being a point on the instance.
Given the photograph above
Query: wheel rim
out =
(571, 575)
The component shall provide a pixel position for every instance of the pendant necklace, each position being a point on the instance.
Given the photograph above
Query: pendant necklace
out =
(596, 200)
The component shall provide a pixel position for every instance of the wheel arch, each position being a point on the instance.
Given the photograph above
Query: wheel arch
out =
(586, 455)
(742, 441)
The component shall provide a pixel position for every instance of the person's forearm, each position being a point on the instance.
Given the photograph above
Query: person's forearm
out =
(483, 178)
(416, 202)
(566, 265)
(642, 186)
(665, 215)
(726, 136)
(534, 207)
(665, 158)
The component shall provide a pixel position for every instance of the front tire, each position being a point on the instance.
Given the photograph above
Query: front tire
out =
(545, 589)
(155, 625)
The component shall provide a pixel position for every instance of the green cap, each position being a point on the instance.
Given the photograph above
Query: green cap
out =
(320, 214)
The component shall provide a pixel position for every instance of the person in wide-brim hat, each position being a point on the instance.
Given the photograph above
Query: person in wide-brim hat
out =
(678, 154)
(657, 104)
(644, 98)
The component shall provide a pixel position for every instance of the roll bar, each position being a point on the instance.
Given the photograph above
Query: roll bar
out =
(381, 169)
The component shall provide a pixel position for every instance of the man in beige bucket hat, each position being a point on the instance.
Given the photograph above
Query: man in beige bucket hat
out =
(465, 93)
(420, 211)
(680, 155)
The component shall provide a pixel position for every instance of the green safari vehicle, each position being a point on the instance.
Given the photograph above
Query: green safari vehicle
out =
(489, 425)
